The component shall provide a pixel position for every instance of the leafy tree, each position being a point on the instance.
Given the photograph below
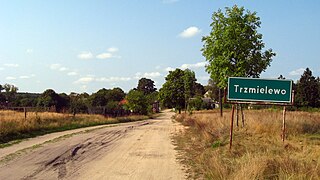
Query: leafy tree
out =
(212, 89)
(103, 96)
(234, 46)
(78, 103)
(199, 90)
(137, 102)
(63, 102)
(98, 98)
(48, 98)
(116, 94)
(308, 90)
(172, 92)
(189, 79)
(146, 86)
(9, 93)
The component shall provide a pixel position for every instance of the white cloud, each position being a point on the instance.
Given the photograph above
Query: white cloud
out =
(152, 74)
(55, 66)
(58, 67)
(11, 65)
(104, 56)
(193, 66)
(139, 75)
(73, 73)
(113, 79)
(29, 51)
(63, 69)
(85, 55)
(24, 77)
(85, 80)
(169, 69)
(297, 72)
(1, 68)
(190, 32)
(112, 49)
(10, 78)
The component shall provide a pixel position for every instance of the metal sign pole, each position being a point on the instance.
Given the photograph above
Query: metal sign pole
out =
(231, 127)
(284, 124)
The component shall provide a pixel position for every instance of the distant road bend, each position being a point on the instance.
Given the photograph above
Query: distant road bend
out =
(138, 150)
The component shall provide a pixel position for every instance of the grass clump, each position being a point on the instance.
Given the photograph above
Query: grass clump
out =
(257, 151)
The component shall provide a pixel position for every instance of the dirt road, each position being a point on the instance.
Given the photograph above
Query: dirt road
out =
(139, 150)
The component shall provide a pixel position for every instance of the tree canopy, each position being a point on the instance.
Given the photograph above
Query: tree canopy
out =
(179, 87)
(308, 89)
(234, 47)
(146, 86)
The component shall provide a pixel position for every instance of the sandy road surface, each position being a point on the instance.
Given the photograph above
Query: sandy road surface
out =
(140, 150)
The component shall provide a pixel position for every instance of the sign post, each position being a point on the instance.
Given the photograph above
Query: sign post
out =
(260, 91)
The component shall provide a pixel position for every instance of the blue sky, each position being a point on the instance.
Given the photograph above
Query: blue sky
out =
(83, 46)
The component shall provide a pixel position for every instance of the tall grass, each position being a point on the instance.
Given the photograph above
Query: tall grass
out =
(257, 152)
(13, 125)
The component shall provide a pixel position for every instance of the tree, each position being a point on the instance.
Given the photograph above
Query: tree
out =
(146, 86)
(308, 90)
(189, 79)
(199, 90)
(137, 102)
(234, 47)
(179, 87)
(48, 98)
(9, 93)
(78, 103)
(116, 94)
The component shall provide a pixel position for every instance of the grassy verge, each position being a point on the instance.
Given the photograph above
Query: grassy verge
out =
(14, 128)
(258, 152)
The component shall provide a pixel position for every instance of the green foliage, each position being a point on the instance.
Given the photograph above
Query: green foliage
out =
(172, 92)
(179, 87)
(196, 104)
(103, 96)
(234, 46)
(48, 98)
(137, 102)
(7, 97)
(146, 86)
(308, 89)
(78, 103)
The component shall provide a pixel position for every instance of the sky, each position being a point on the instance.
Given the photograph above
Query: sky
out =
(83, 46)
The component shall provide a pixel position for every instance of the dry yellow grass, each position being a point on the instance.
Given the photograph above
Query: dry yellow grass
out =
(13, 125)
(257, 152)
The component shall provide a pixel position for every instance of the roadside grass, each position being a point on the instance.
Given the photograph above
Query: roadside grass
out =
(257, 151)
(14, 127)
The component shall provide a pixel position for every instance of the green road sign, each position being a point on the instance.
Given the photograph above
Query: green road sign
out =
(259, 90)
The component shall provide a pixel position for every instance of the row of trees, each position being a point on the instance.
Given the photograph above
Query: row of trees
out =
(111, 101)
